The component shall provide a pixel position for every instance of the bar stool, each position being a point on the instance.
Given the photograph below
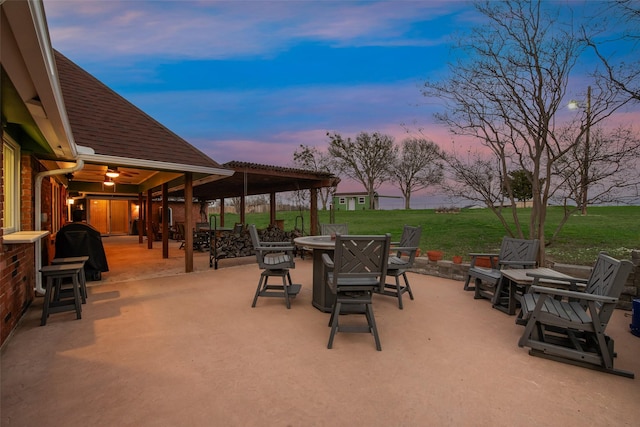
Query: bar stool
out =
(56, 301)
(82, 278)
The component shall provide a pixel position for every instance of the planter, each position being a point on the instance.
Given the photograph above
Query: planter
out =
(457, 259)
(483, 261)
(434, 255)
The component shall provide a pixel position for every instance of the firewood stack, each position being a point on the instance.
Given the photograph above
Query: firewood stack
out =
(233, 245)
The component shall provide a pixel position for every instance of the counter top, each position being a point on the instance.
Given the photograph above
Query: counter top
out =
(24, 237)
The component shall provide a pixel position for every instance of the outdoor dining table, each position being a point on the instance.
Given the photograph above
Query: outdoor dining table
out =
(323, 298)
(516, 281)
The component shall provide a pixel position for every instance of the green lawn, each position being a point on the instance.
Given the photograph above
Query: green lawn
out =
(612, 229)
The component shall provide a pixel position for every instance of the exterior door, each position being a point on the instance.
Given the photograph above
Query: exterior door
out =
(109, 216)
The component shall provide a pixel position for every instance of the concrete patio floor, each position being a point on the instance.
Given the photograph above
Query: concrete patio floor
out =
(157, 347)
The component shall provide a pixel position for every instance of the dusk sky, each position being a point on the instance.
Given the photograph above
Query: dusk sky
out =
(252, 80)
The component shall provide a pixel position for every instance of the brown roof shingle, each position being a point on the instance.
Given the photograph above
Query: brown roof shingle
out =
(112, 126)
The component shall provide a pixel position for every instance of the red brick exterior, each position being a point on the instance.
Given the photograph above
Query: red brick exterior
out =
(17, 262)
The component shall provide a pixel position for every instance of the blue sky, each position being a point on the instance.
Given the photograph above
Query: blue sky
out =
(252, 80)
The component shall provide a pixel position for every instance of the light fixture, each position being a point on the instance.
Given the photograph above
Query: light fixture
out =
(113, 173)
(108, 181)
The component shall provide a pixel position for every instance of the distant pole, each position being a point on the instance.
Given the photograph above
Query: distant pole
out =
(586, 161)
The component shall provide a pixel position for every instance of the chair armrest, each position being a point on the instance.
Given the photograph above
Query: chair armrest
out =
(523, 263)
(572, 294)
(558, 279)
(477, 254)
(274, 248)
(326, 259)
(275, 244)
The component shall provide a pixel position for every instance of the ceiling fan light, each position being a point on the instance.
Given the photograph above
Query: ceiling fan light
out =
(108, 181)
(113, 173)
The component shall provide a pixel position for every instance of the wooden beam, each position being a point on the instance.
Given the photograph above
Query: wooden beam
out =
(140, 218)
(165, 221)
(148, 221)
(313, 212)
(272, 208)
(188, 222)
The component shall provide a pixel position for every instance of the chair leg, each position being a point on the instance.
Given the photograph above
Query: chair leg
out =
(334, 322)
(262, 278)
(47, 301)
(372, 325)
(407, 285)
(285, 288)
(399, 292)
(466, 284)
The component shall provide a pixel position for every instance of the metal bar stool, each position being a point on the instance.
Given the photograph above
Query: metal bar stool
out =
(54, 300)
(83, 280)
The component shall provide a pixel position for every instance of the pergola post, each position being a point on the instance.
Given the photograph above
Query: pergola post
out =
(165, 220)
(149, 219)
(140, 218)
(272, 208)
(188, 222)
(313, 212)
(222, 212)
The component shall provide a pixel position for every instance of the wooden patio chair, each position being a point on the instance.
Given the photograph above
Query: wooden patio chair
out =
(331, 229)
(401, 262)
(358, 269)
(514, 253)
(275, 259)
(569, 326)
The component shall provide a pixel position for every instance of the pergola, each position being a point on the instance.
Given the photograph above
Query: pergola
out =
(252, 179)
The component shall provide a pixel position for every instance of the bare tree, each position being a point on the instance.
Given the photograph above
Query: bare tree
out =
(310, 158)
(624, 74)
(417, 167)
(367, 159)
(612, 168)
(505, 92)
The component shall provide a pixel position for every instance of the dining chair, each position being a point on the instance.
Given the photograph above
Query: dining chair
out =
(401, 262)
(275, 259)
(357, 270)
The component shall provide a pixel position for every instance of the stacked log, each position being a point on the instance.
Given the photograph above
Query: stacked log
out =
(233, 245)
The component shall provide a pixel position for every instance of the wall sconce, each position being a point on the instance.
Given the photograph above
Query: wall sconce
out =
(70, 201)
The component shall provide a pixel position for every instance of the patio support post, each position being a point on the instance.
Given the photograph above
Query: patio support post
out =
(148, 221)
(222, 212)
(165, 220)
(188, 222)
(140, 218)
(242, 209)
(313, 212)
(272, 208)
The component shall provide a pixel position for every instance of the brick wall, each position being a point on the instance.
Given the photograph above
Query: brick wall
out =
(17, 262)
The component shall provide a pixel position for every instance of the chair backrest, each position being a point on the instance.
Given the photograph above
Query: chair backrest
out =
(238, 227)
(360, 262)
(513, 250)
(202, 226)
(180, 230)
(410, 239)
(329, 229)
(607, 279)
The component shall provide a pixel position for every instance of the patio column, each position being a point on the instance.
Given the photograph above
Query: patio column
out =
(313, 212)
(272, 208)
(165, 220)
(149, 218)
(188, 222)
(140, 218)
(222, 212)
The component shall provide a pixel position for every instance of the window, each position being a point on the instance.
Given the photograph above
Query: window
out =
(11, 179)
(361, 200)
(342, 201)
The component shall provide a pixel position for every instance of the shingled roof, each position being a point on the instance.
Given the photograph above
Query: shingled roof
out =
(253, 178)
(112, 126)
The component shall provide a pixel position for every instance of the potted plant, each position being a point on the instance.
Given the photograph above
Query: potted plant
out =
(434, 255)
(457, 259)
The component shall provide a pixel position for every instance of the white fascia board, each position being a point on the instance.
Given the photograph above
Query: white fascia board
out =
(153, 164)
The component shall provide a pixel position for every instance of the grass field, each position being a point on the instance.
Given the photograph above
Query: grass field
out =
(612, 229)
